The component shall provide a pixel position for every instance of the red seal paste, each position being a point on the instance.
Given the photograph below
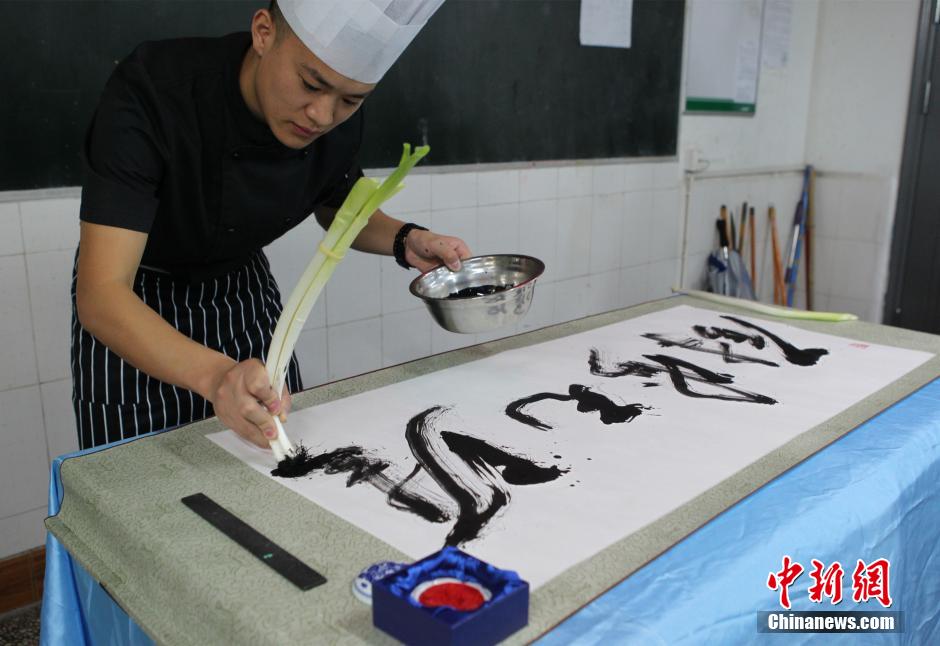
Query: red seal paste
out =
(465, 596)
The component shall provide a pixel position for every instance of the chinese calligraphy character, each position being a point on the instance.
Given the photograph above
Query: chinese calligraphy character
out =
(680, 373)
(784, 579)
(828, 583)
(871, 581)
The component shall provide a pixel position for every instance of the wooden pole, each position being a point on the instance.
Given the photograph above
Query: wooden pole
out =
(809, 239)
(779, 289)
(753, 234)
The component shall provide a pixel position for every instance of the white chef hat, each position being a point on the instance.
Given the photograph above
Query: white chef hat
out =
(360, 39)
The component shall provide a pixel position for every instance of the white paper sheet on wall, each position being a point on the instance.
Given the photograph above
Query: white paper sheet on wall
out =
(560, 483)
(606, 23)
(723, 53)
(778, 17)
(745, 90)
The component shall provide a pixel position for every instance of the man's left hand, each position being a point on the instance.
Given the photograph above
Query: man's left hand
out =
(425, 250)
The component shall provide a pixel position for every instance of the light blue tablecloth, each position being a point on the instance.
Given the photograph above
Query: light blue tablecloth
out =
(76, 611)
(874, 493)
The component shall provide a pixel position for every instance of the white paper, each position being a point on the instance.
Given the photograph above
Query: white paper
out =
(606, 23)
(621, 476)
(723, 53)
(778, 18)
(745, 76)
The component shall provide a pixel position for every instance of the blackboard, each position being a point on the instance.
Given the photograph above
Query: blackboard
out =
(486, 81)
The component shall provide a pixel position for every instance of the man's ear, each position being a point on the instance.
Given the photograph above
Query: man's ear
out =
(263, 31)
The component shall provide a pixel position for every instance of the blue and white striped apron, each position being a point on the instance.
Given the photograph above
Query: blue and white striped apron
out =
(234, 313)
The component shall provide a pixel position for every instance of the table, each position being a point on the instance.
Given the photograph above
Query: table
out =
(182, 582)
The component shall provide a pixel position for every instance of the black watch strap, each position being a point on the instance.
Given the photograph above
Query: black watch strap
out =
(398, 247)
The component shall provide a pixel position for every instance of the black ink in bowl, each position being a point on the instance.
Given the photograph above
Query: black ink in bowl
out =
(481, 290)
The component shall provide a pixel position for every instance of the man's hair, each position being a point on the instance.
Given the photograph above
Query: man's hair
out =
(281, 28)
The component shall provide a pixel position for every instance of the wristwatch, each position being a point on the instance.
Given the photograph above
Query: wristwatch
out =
(398, 247)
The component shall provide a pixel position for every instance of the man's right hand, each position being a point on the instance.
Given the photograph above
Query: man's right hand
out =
(109, 309)
(245, 401)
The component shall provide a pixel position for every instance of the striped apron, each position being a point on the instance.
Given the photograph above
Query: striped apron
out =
(234, 313)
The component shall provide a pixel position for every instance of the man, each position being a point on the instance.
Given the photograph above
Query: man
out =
(201, 152)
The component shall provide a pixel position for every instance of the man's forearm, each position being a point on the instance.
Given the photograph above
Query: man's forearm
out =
(132, 330)
(377, 236)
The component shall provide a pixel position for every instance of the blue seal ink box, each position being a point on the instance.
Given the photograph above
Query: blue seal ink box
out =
(451, 598)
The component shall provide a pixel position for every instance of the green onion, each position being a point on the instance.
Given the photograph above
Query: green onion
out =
(364, 199)
(770, 310)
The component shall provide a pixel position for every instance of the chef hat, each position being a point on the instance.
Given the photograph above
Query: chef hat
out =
(360, 39)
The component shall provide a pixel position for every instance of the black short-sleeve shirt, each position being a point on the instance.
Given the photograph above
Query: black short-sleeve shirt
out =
(173, 151)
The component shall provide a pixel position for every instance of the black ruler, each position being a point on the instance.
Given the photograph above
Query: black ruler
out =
(270, 553)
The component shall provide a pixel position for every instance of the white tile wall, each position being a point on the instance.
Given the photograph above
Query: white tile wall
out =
(538, 231)
(638, 220)
(50, 225)
(17, 350)
(353, 292)
(58, 418)
(493, 335)
(354, 348)
(542, 311)
(453, 190)
(498, 188)
(405, 336)
(289, 257)
(661, 279)
(396, 296)
(828, 203)
(538, 184)
(696, 269)
(50, 275)
(604, 292)
(611, 178)
(444, 341)
(23, 479)
(639, 177)
(11, 234)
(634, 283)
(457, 222)
(607, 224)
(600, 229)
(312, 355)
(497, 228)
(575, 181)
(665, 175)
(571, 298)
(573, 241)
(415, 197)
(23, 531)
(664, 227)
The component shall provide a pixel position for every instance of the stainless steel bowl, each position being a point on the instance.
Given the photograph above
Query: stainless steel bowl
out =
(480, 313)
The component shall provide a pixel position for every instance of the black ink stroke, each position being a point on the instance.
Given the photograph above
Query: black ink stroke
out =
(514, 409)
(713, 333)
(588, 402)
(793, 354)
(680, 373)
(516, 470)
(401, 493)
(465, 468)
(696, 345)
